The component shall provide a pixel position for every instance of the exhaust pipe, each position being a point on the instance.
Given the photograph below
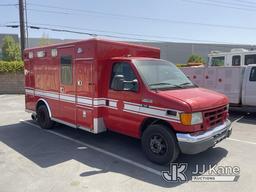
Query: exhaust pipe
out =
(33, 116)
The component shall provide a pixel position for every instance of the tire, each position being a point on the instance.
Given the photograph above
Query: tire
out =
(43, 117)
(160, 144)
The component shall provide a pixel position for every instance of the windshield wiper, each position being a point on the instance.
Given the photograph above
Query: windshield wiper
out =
(187, 83)
(163, 83)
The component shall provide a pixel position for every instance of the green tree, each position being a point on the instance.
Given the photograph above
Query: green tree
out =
(196, 59)
(44, 40)
(10, 49)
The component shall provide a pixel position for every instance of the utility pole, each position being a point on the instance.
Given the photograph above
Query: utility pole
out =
(22, 26)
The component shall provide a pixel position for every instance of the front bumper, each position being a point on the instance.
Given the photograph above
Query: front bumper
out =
(192, 144)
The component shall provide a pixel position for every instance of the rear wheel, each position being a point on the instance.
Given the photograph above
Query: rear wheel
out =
(160, 144)
(43, 117)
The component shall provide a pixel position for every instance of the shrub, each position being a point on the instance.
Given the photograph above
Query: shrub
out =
(11, 66)
(10, 49)
(196, 59)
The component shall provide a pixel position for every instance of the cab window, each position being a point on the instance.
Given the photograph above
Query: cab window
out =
(124, 69)
(253, 74)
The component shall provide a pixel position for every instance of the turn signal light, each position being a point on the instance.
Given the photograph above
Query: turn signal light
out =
(191, 118)
(186, 118)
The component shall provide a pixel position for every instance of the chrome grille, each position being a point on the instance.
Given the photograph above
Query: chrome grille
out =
(215, 117)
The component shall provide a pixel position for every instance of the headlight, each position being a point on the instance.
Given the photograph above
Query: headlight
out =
(191, 118)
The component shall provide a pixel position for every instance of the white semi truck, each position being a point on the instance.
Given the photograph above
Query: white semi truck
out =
(237, 82)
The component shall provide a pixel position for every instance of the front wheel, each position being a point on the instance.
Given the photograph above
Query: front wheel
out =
(43, 117)
(160, 144)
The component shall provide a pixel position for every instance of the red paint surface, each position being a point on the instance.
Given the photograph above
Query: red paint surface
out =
(95, 71)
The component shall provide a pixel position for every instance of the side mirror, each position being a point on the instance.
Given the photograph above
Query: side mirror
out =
(131, 85)
(134, 86)
(118, 82)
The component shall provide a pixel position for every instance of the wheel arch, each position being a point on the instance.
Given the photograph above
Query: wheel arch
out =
(44, 102)
(151, 121)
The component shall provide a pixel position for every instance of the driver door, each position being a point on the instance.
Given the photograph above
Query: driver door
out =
(118, 119)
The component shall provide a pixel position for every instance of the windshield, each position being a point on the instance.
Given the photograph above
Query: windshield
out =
(160, 74)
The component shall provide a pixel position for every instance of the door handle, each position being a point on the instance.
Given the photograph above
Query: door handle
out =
(61, 89)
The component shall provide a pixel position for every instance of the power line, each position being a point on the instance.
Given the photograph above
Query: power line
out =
(49, 11)
(136, 17)
(140, 40)
(112, 32)
(119, 36)
(211, 2)
(219, 5)
(130, 34)
(240, 3)
(83, 33)
(96, 30)
(248, 2)
(7, 5)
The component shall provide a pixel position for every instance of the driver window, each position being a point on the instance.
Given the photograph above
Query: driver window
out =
(123, 68)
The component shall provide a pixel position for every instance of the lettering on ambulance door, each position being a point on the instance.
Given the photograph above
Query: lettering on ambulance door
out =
(67, 85)
(119, 119)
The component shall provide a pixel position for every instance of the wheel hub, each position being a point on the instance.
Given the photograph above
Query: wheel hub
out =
(157, 145)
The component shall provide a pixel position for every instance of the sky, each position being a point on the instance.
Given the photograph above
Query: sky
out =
(199, 21)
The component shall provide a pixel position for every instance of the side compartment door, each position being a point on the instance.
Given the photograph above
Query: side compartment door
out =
(84, 90)
(249, 85)
(67, 102)
(29, 85)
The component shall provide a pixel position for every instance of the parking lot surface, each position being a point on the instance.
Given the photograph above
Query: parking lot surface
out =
(67, 159)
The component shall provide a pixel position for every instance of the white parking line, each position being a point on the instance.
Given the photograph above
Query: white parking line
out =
(146, 168)
(238, 119)
(242, 141)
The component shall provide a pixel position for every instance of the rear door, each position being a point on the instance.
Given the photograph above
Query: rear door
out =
(67, 85)
(249, 85)
(84, 90)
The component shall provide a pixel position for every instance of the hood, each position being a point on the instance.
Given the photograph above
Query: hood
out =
(197, 98)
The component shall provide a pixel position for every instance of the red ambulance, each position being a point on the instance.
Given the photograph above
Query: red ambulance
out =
(99, 85)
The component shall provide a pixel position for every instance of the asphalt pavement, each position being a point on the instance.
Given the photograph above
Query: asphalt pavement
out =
(67, 159)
